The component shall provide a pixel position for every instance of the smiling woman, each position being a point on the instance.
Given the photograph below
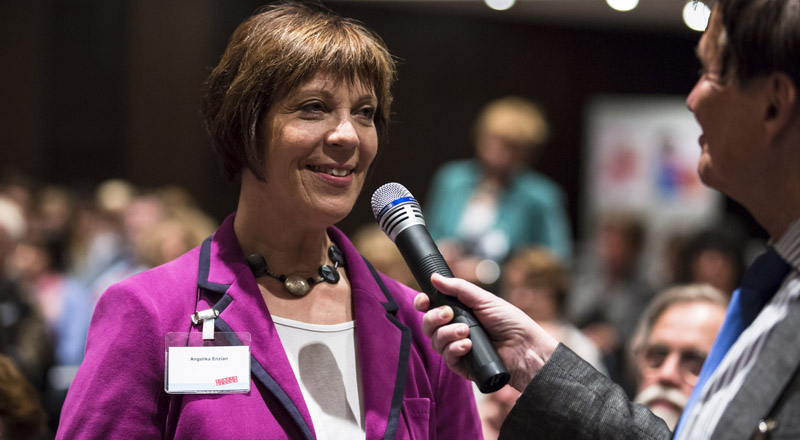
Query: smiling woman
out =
(322, 140)
(253, 75)
(294, 110)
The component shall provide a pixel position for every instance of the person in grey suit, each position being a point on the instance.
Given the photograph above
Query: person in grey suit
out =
(747, 102)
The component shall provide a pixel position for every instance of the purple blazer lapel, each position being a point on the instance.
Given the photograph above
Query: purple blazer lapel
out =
(224, 274)
(383, 341)
(383, 344)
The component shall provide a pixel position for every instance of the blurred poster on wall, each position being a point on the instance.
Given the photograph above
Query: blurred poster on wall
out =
(641, 157)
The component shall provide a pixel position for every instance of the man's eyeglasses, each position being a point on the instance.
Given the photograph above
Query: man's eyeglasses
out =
(690, 361)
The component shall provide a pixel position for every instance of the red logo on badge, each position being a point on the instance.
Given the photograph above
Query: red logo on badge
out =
(227, 380)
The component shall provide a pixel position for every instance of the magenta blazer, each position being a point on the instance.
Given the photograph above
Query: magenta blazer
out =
(118, 393)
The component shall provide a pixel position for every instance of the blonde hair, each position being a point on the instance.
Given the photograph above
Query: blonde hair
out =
(515, 120)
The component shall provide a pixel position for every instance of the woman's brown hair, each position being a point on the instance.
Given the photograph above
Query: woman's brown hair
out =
(269, 56)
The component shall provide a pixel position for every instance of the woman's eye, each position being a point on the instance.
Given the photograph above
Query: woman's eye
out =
(367, 113)
(312, 107)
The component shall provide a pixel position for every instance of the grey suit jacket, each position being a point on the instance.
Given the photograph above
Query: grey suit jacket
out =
(568, 399)
(769, 398)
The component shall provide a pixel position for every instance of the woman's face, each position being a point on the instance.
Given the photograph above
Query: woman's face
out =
(499, 157)
(321, 140)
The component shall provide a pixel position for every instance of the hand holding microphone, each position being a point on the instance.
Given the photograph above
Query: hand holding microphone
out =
(400, 217)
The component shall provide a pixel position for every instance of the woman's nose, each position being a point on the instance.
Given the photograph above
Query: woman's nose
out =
(344, 134)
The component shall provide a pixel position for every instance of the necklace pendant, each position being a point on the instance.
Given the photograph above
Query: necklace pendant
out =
(336, 255)
(297, 285)
(329, 274)
(258, 265)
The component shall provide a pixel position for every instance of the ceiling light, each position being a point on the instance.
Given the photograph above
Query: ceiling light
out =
(499, 5)
(695, 15)
(622, 5)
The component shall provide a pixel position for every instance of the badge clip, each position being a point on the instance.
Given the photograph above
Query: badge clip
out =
(207, 318)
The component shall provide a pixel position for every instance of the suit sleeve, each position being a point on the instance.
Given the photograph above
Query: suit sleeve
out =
(116, 391)
(568, 398)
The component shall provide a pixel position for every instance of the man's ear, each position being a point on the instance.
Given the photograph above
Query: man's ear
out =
(781, 103)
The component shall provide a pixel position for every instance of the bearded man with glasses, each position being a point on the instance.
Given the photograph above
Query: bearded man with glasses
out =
(672, 340)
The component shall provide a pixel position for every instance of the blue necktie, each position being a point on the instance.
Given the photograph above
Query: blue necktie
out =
(759, 284)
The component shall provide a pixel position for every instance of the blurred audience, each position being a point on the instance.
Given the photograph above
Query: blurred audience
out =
(59, 250)
(494, 408)
(21, 414)
(98, 238)
(480, 210)
(672, 340)
(140, 229)
(56, 295)
(536, 281)
(23, 332)
(379, 249)
(714, 256)
(610, 290)
(18, 187)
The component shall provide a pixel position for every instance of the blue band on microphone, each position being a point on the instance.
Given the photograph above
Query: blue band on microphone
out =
(394, 203)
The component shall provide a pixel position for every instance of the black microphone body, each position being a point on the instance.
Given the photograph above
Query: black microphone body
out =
(401, 219)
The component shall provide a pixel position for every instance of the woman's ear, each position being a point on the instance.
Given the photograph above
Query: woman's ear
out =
(782, 103)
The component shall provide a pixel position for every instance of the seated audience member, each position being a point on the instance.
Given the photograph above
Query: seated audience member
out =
(610, 291)
(674, 335)
(714, 257)
(536, 282)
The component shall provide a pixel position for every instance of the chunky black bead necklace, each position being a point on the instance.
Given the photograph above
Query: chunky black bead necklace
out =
(296, 284)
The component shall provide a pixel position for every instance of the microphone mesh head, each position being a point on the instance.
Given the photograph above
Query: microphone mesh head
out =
(387, 193)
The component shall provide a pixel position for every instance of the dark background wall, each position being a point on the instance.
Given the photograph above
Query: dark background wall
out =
(95, 89)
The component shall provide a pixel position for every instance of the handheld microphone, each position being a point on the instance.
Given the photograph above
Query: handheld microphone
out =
(399, 215)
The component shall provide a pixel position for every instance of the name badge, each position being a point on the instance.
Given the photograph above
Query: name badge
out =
(207, 369)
